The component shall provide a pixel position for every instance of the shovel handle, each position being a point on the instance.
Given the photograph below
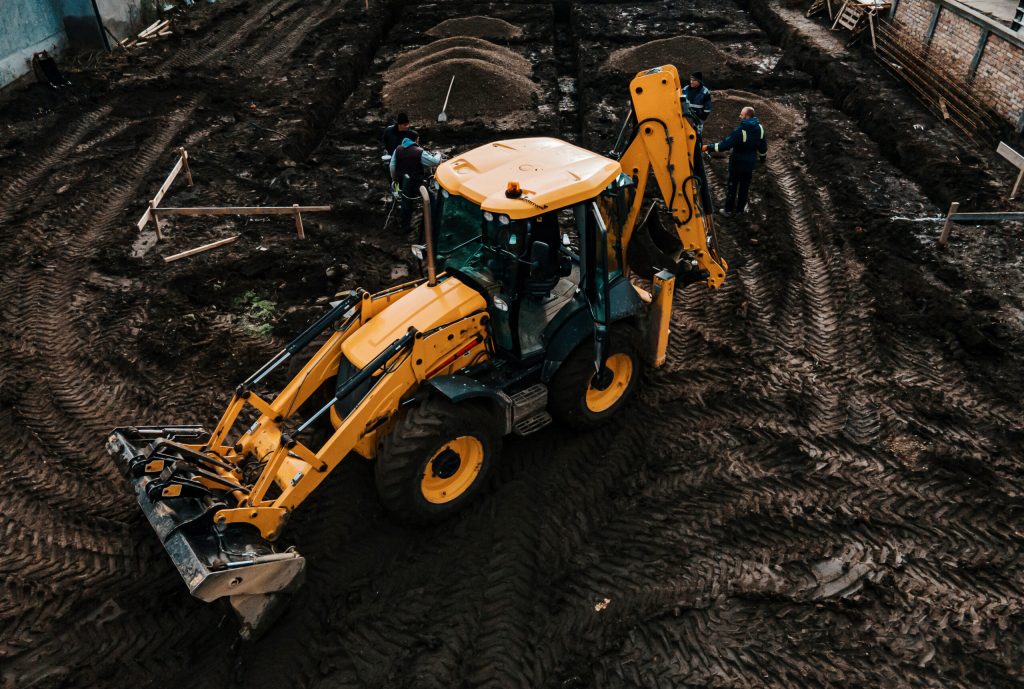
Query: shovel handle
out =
(448, 95)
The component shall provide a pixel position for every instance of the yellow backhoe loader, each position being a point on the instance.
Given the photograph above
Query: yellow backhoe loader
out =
(529, 312)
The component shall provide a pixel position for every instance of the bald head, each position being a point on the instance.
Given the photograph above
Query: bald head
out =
(747, 112)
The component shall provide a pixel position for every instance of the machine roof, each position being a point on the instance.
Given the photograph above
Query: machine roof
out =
(552, 174)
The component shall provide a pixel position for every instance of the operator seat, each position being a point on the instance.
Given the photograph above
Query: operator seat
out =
(542, 278)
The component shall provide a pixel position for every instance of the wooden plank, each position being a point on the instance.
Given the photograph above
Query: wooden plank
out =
(298, 222)
(1010, 154)
(975, 218)
(1016, 185)
(149, 28)
(948, 226)
(155, 28)
(244, 210)
(201, 249)
(161, 191)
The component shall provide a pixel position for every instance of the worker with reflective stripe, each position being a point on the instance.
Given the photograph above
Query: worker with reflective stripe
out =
(696, 99)
(748, 144)
(409, 170)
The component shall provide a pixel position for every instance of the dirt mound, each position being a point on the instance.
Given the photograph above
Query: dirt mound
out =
(779, 120)
(483, 90)
(455, 48)
(481, 27)
(687, 53)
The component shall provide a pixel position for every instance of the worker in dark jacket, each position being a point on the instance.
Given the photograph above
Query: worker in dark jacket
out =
(394, 134)
(409, 170)
(696, 99)
(748, 145)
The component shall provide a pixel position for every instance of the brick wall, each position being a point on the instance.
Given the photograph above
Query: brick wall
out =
(915, 17)
(999, 76)
(954, 43)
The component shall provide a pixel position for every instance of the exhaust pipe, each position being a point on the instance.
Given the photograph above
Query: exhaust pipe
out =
(428, 231)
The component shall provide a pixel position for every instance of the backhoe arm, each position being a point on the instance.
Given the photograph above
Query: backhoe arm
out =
(666, 143)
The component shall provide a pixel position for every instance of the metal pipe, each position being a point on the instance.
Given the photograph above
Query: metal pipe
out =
(378, 362)
(428, 231)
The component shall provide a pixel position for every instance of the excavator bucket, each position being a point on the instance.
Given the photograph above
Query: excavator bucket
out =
(215, 561)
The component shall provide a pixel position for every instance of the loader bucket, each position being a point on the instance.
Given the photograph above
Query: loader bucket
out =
(214, 561)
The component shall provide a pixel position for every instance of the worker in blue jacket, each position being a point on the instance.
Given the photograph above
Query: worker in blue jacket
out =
(410, 167)
(749, 145)
(696, 99)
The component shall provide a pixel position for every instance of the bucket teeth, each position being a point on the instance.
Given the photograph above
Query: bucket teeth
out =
(180, 490)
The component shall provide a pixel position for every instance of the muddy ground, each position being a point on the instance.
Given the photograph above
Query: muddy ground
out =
(822, 487)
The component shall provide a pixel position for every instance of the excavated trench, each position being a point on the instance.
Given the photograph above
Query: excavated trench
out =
(821, 487)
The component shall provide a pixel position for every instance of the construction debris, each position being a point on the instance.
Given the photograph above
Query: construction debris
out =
(157, 29)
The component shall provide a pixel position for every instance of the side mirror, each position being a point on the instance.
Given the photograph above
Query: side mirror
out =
(540, 254)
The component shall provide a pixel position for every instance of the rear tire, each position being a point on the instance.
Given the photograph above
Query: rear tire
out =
(436, 458)
(572, 398)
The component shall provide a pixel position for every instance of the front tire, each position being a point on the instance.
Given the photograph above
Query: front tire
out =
(574, 398)
(436, 458)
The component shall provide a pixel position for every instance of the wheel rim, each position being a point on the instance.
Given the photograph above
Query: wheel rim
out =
(452, 469)
(621, 366)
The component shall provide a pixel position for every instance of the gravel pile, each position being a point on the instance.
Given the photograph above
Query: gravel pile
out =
(779, 120)
(688, 54)
(458, 47)
(480, 27)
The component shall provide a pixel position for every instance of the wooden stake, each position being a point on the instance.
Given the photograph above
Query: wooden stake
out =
(201, 249)
(1016, 185)
(184, 162)
(298, 222)
(948, 227)
(156, 221)
(244, 210)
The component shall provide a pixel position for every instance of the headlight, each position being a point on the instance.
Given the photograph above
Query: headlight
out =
(488, 216)
(419, 251)
(504, 219)
(500, 304)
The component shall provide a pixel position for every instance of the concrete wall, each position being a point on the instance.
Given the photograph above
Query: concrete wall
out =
(31, 26)
(126, 17)
(983, 54)
(26, 27)
(81, 26)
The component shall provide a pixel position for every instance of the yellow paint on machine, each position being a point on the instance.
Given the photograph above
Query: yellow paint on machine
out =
(423, 308)
(551, 174)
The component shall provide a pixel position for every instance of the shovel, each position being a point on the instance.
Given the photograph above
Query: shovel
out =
(443, 117)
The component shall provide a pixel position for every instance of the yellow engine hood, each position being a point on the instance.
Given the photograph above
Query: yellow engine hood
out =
(422, 308)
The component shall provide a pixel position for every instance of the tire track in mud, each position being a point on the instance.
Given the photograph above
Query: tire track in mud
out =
(58, 395)
(19, 187)
(293, 37)
(238, 30)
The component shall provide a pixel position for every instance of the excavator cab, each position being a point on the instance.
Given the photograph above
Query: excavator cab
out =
(530, 269)
(528, 314)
